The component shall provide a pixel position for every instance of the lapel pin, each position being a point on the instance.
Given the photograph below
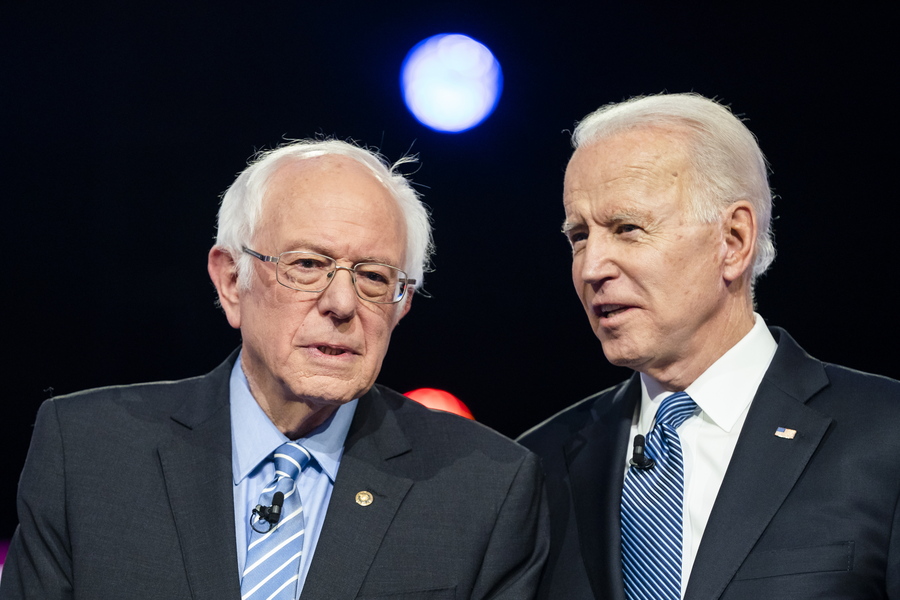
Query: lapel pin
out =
(784, 432)
(364, 498)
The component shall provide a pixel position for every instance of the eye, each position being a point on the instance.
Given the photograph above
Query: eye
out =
(374, 277)
(307, 263)
(576, 236)
(627, 228)
(374, 274)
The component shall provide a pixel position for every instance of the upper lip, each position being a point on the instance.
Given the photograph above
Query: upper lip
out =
(603, 309)
(333, 346)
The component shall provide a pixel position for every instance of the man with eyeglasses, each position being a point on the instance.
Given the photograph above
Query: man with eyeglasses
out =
(286, 470)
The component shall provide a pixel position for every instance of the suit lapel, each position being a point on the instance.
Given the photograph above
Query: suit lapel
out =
(596, 463)
(764, 467)
(196, 466)
(352, 532)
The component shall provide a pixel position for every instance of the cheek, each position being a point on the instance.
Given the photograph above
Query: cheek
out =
(284, 321)
(576, 274)
(377, 326)
(691, 288)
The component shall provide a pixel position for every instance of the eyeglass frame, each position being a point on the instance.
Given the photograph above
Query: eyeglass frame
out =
(410, 283)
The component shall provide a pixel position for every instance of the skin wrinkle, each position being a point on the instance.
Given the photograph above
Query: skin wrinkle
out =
(333, 206)
(684, 284)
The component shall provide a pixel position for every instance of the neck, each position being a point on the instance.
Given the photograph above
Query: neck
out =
(708, 346)
(293, 416)
(296, 419)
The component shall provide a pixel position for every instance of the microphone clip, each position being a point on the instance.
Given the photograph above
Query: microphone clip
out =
(639, 460)
(267, 514)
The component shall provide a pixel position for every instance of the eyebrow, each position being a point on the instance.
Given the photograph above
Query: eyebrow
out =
(627, 215)
(613, 219)
(303, 246)
(568, 226)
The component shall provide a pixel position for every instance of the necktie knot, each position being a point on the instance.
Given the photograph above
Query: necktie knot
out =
(290, 458)
(272, 568)
(675, 410)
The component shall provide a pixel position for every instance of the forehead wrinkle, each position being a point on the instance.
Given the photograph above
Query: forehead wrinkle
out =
(639, 179)
(649, 164)
(330, 185)
(308, 246)
(628, 215)
(614, 211)
(615, 203)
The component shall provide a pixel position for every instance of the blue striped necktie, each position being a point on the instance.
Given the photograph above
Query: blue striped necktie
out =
(652, 509)
(272, 569)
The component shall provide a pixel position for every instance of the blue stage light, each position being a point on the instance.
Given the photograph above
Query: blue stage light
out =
(451, 82)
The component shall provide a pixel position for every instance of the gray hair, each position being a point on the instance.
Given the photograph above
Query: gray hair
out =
(724, 154)
(242, 203)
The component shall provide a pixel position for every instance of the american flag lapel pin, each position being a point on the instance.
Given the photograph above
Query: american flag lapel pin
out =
(784, 432)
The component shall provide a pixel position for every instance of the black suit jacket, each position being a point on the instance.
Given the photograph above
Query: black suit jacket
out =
(817, 516)
(127, 493)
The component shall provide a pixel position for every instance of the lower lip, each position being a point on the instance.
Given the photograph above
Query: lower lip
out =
(316, 353)
(611, 319)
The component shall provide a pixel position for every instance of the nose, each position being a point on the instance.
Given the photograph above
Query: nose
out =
(339, 299)
(595, 264)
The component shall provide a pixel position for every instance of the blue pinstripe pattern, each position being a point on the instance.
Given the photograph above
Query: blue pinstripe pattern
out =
(651, 511)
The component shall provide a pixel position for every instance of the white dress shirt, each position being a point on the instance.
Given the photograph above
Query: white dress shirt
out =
(723, 394)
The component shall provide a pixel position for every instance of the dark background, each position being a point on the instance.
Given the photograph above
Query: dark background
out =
(123, 122)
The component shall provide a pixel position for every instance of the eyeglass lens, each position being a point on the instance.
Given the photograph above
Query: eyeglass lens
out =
(307, 271)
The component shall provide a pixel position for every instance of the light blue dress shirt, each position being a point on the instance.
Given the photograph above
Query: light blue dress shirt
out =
(253, 440)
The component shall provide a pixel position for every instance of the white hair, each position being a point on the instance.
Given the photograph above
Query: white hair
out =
(242, 202)
(724, 154)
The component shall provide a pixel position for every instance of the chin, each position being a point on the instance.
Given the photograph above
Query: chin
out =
(329, 391)
(620, 357)
(630, 363)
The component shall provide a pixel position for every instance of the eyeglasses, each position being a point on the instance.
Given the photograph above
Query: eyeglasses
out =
(311, 272)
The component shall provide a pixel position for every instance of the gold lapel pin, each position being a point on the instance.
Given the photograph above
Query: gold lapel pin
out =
(364, 498)
(784, 432)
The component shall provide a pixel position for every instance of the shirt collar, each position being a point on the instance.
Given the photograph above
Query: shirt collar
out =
(724, 391)
(257, 437)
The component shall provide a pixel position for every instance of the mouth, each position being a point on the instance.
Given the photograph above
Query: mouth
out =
(332, 350)
(606, 311)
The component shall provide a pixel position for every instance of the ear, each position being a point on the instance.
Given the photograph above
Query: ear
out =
(407, 304)
(223, 272)
(740, 240)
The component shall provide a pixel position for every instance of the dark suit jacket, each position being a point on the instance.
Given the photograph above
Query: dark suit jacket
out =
(813, 517)
(127, 493)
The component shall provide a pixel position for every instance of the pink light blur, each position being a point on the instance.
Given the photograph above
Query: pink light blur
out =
(440, 400)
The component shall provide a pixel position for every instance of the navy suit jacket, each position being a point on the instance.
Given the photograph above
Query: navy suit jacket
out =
(127, 493)
(817, 516)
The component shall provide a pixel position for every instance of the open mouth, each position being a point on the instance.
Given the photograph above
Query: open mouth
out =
(330, 350)
(611, 310)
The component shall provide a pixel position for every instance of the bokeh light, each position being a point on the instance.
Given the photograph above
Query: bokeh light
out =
(4, 547)
(451, 82)
(440, 400)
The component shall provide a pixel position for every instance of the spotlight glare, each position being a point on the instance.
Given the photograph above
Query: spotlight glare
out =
(451, 82)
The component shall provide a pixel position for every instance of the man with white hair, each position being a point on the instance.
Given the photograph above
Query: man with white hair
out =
(285, 472)
(731, 464)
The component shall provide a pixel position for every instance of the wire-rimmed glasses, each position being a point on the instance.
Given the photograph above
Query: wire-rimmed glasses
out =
(311, 272)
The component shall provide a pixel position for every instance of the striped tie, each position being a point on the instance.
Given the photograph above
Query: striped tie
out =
(273, 558)
(651, 512)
